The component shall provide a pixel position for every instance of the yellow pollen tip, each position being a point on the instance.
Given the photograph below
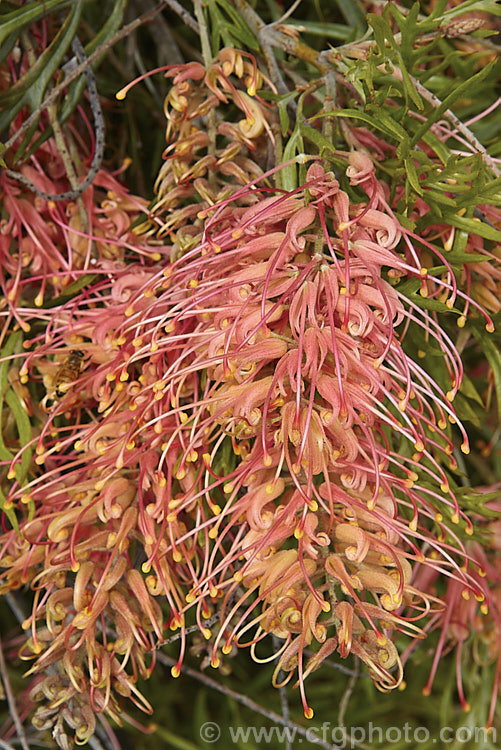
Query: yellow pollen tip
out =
(206, 633)
(423, 272)
(120, 95)
(175, 671)
(226, 649)
(490, 328)
(215, 662)
(308, 713)
(129, 311)
(461, 321)
(465, 448)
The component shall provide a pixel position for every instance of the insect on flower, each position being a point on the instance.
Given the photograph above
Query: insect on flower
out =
(68, 372)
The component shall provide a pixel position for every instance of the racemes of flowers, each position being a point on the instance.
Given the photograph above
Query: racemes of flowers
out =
(249, 436)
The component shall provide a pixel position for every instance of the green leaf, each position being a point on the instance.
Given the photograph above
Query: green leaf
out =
(493, 355)
(469, 390)
(31, 87)
(13, 23)
(410, 170)
(329, 30)
(410, 89)
(458, 91)
(174, 741)
(237, 29)
(86, 280)
(376, 123)
(352, 11)
(409, 289)
(472, 6)
(7, 45)
(323, 144)
(474, 226)
(283, 103)
(77, 88)
(24, 431)
(294, 147)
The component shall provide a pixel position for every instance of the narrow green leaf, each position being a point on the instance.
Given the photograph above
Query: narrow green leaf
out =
(293, 148)
(352, 11)
(469, 390)
(24, 431)
(329, 30)
(9, 512)
(393, 127)
(238, 28)
(410, 89)
(475, 226)
(358, 115)
(31, 87)
(313, 135)
(86, 280)
(412, 176)
(472, 6)
(174, 741)
(458, 91)
(493, 355)
(27, 14)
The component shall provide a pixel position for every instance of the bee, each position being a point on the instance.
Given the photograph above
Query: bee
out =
(68, 371)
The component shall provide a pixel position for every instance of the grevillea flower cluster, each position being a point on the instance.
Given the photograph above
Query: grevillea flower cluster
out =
(250, 436)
